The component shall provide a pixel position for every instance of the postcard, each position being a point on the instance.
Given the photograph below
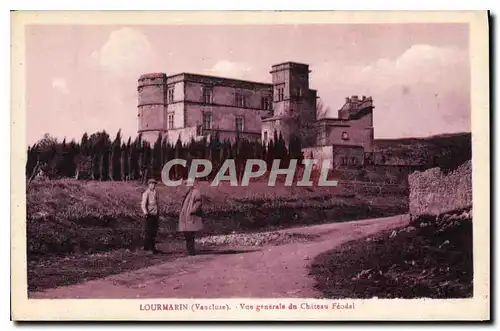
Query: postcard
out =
(271, 166)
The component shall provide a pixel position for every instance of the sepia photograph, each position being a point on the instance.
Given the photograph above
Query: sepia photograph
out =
(251, 165)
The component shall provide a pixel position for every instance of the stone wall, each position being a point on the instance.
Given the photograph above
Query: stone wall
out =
(347, 156)
(432, 192)
(226, 95)
(319, 153)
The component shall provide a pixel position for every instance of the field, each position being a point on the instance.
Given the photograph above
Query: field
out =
(87, 229)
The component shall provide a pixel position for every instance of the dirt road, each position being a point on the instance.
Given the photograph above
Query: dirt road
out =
(264, 272)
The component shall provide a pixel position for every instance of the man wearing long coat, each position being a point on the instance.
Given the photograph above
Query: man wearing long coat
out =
(191, 217)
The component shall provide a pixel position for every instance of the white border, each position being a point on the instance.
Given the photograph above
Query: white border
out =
(480, 142)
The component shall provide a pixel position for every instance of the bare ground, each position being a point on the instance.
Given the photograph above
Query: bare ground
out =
(266, 271)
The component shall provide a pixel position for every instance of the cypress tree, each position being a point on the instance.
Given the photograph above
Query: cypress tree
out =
(177, 155)
(270, 152)
(115, 165)
(124, 162)
(157, 155)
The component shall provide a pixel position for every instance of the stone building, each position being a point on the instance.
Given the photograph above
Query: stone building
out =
(189, 106)
(292, 98)
(347, 139)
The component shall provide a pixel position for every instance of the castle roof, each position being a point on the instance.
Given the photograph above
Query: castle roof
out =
(216, 80)
(153, 75)
(289, 65)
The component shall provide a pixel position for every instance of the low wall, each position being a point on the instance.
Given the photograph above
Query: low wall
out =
(432, 192)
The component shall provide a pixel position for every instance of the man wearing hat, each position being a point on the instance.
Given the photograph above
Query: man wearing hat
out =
(191, 217)
(149, 206)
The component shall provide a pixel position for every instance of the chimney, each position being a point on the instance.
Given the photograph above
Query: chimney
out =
(354, 98)
(364, 98)
(347, 100)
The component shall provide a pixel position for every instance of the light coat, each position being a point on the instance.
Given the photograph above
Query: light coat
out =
(189, 221)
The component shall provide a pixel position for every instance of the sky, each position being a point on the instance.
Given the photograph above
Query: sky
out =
(83, 78)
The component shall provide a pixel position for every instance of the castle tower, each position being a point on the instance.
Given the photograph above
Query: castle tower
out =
(152, 105)
(358, 112)
(292, 99)
(291, 86)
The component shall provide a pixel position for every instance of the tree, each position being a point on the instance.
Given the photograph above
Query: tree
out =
(146, 161)
(280, 150)
(156, 162)
(100, 145)
(124, 162)
(116, 158)
(295, 148)
(270, 154)
(304, 124)
(177, 155)
(46, 150)
(65, 159)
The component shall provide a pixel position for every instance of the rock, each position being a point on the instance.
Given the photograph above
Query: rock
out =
(445, 243)
(393, 234)
(410, 229)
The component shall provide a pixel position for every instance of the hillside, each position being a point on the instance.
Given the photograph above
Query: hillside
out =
(445, 151)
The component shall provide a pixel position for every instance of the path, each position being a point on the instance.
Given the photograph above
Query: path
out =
(264, 272)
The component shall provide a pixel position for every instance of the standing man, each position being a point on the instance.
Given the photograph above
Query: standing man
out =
(191, 217)
(149, 206)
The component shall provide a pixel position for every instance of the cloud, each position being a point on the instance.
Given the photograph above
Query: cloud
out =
(230, 69)
(59, 84)
(425, 90)
(126, 52)
(421, 64)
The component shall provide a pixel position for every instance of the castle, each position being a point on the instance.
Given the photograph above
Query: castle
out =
(185, 106)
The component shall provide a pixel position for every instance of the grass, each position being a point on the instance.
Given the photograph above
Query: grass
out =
(68, 216)
(428, 259)
(71, 222)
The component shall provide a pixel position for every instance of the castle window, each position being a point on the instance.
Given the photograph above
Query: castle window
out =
(265, 137)
(353, 160)
(239, 124)
(322, 136)
(281, 93)
(207, 95)
(207, 121)
(345, 136)
(170, 121)
(266, 103)
(239, 99)
(170, 94)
